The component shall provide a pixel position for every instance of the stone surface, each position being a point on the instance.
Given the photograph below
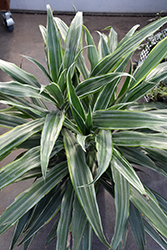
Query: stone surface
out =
(26, 40)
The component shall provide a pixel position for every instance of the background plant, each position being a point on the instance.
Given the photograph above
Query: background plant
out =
(159, 92)
(91, 135)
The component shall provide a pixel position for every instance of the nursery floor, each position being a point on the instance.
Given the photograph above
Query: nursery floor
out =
(26, 40)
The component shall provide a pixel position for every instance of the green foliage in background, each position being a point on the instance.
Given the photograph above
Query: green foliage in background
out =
(92, 134)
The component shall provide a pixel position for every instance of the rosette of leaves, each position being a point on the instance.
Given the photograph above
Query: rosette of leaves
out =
(91, 135)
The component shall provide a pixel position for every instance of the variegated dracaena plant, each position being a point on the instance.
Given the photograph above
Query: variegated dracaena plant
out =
(94, 133)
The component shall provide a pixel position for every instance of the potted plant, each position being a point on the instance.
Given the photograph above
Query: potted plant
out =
(159, 92)
(91, 135)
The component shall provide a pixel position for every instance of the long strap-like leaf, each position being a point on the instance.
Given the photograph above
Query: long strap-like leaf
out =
(65, 219)
(76, 106)
(122, 119)
(134, 155)
(16, 169)
(81, 175)
(18, 74)
(138, 139)
(18, 135)
(153, 58)
(43, 212)
(122, 194)
(78, 224)
(73, 39)
(155, 235)
(51, 130)
(17, 89)
(93, 84)
(111, 61)
(30, 197)
(151, 209)
(10, 121)
(21, 224)
(91, 51)
(104, 151)
(54, 47)
(123, 166)
(136, 223)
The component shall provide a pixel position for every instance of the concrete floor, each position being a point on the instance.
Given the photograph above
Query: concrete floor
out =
(26, 40)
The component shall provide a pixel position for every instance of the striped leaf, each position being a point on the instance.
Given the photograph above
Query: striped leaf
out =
(10, 121)
(136, 223)
(82, 140)
(160, 68)
(53, 233)
(51, 130)
(124, 238)
(104, 152)
(122, 194)
(79, 222)
(23, 102)
(88, 235)
(120, 119)
(161, 201)
(40, 66)
(34, 173)
(43, 212)
(13, 112)
(20, 226)
(107, 95)
(103, 48)
(56, 92)
(44, 33)
(62, 26)
(65, 219)
(28, 243)
(81, 177)
(18, 135)
(82, 67)
(54, 47)
(30, 110)
(76, 106)
(89, 118)
(148, 106)
(62, 80)
(17, 168)
(110, 62)
(154, 57)
(159, 156)
(18, 74)
(112, 40)
(155, 235)
(125, 86)
(138, 139)
(70, 125)
(93, 84)
(17, 89)
(123, 166)
(149, 207)
(144, 87)
(129, 34)
(138, 157)
(91, 51)
(30, 197)
(73, 39)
